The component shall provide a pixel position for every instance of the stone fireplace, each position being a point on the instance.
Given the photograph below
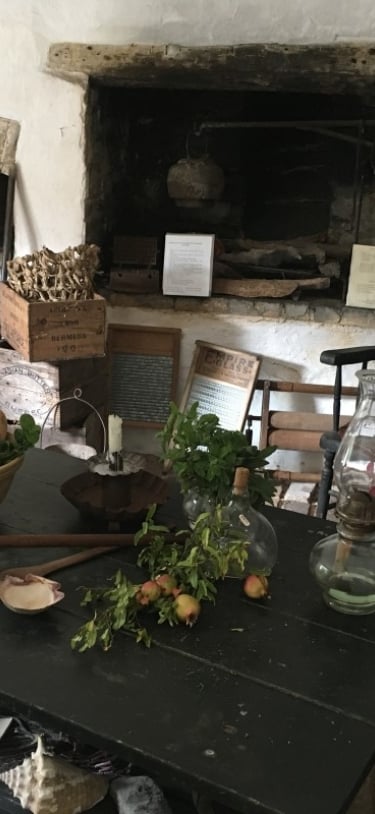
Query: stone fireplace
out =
(291, 129)
(297, 166)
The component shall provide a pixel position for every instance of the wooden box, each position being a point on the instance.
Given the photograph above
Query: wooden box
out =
(28, 387)
(135, 281)
(52, 331)
(135, 265)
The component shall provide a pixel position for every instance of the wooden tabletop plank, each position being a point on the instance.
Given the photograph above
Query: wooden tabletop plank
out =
(255, 717)
(254, 639)
(242, 742)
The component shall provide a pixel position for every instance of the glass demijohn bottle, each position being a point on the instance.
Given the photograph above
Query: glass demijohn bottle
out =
(245, 523)
(344, 563)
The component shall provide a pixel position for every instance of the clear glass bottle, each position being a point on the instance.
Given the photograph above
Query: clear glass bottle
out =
(344, 563)
(244, 522)
(194, 503)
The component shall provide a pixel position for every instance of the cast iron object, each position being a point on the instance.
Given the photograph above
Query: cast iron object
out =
(122, 499)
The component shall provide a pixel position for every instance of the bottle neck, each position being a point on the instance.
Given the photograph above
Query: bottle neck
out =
(238, 491)
(240, 482)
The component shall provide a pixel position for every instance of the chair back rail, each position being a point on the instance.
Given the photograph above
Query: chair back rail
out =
(296, 430)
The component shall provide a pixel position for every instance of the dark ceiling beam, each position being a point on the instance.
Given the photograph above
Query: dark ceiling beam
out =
(337, 68)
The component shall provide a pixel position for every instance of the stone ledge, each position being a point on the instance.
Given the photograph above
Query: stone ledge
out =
(320, 310)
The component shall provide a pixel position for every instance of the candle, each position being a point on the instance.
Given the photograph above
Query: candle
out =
(114, 434)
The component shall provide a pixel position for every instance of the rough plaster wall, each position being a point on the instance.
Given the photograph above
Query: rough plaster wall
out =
(289, 352)
(50, 197)
(200, 22)
(50, 168)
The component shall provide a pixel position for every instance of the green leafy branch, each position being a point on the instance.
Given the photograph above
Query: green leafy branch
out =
(121, 611)
(194, 561)
(204, 455)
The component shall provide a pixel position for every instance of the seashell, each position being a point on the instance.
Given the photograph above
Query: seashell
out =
(138, 795)
(30, 594)
(49, 785)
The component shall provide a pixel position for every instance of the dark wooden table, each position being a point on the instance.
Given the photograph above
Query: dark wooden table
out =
(267, 707)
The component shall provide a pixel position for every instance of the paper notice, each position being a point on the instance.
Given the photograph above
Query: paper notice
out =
(361, 288)
(188, 262)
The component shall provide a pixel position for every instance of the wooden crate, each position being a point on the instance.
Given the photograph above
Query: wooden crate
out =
(53, 331)
(135, 265)
(34, 387)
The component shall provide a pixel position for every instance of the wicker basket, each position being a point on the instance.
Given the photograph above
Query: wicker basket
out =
(7, 473)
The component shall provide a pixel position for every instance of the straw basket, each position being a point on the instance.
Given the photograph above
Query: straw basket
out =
(7, 473)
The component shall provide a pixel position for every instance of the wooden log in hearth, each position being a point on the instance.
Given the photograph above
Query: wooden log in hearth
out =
(296, 252)
(275, 257)
(331, 269)
(266, 288)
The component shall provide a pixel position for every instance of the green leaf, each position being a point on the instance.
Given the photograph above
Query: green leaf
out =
(23, 437)
(205, 455)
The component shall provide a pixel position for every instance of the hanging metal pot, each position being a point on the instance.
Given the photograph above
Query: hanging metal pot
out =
(194, 181)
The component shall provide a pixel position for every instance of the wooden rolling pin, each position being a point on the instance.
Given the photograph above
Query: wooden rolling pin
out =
(71, 540)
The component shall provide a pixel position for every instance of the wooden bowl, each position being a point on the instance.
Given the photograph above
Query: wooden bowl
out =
(7, 473)
(123, 499)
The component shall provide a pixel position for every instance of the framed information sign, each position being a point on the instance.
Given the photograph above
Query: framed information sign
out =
(222, 381)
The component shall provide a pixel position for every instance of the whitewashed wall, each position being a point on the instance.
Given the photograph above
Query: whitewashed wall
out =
(288, 351)
(49, 202)
(51, 179)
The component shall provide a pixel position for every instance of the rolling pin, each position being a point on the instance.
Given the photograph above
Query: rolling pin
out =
(104, 539)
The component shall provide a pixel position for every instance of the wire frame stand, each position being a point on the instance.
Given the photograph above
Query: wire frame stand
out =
(69, 448)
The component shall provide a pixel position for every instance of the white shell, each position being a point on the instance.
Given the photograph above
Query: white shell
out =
(50, 785)
(31, 594)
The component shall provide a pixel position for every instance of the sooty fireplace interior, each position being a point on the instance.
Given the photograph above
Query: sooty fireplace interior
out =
(297, 171)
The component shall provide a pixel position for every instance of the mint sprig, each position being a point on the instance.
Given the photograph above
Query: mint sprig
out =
(26, 435)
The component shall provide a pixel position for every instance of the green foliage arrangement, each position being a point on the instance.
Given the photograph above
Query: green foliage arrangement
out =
(26, 435)
(204, 456)
(194, 561)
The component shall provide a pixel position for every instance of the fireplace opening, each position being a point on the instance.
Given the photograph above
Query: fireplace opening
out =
(297, 168)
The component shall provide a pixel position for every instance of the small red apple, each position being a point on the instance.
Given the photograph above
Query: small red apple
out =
(256, 586)
(187, 609)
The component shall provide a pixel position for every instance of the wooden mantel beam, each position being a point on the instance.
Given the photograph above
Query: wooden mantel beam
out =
(336, 68)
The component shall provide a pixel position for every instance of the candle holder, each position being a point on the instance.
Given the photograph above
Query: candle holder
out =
(118, 497)
(115, 461)
(344, 563)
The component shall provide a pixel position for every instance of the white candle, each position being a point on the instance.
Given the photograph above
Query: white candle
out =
(114, 434)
